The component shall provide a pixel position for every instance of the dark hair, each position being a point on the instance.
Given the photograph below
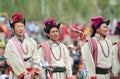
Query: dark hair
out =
(17, 20)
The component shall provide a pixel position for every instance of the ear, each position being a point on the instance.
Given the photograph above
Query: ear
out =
(98, 30)
(12, 30)
(48, 35)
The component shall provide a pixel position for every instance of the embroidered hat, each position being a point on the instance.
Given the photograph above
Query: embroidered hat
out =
(96, 23)
(49, 23)
(98, 20)
(17, 17)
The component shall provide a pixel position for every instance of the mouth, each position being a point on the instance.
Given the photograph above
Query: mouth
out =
(21, 32)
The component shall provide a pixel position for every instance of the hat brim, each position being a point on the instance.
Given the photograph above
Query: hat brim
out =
(47, 29)
(17, 20)
(107, 22)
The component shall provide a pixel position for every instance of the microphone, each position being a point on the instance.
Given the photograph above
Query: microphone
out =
(28, 58)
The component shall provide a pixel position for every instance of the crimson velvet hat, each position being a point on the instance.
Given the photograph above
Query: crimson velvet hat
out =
(17, 17)
(49, 23)
(96, 23)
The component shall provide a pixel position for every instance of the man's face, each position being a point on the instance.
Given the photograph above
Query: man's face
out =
(19, 29)
(103, 29)
(54, 34)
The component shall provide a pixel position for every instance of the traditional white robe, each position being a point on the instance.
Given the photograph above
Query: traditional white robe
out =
(64, 60)
(16, 62)
(102, 61)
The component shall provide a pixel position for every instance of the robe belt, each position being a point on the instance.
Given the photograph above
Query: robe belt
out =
(59, 69)
(103, 70)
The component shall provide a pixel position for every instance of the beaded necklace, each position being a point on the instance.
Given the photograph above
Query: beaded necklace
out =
(23, 49)
(58, 59)
(103, 49)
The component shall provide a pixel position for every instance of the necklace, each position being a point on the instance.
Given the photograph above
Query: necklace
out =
(53, 53)
(103, 49)
(23, 49)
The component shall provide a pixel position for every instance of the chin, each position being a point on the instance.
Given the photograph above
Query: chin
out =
(20, 35)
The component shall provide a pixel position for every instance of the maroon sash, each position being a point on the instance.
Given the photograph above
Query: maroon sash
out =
(94, 50)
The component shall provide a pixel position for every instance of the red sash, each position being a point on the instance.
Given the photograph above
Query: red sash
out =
(94, 50)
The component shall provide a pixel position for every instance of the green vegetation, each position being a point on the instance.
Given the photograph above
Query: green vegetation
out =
(64, 10)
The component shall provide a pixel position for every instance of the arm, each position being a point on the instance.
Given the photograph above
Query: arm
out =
(41, 56)
(67, 63)
(88, 59)
(35, 56)
(116, 65)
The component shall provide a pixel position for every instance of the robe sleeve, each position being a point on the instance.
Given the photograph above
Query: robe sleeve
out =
(116, 65)
(35, 56)
(41, 56)
(67, 62)
(88, 59)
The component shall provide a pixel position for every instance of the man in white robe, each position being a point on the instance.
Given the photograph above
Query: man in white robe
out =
(97, 52)
(19, 50)
(55, 52)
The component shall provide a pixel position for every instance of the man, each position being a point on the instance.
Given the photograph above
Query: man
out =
(19, 49)
(116, 63)
(97, 52)
(55, 53)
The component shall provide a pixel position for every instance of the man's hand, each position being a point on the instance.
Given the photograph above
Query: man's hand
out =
(32, 74)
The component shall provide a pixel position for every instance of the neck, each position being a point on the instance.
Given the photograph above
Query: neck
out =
(21, 37)
(99, 36)
(102, 36)
(55, 41)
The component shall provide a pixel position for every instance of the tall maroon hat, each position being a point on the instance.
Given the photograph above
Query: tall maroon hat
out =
(118, 24)
(96, 22)
(17, 17)
(49, 23)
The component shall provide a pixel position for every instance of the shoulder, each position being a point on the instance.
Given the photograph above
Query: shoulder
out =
(31, 40)
(110, 42)
(63, 45)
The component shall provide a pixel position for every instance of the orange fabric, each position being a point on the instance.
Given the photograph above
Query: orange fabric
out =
(3, 27)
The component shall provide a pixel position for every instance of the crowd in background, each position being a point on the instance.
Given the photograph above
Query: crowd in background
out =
(68, 35)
